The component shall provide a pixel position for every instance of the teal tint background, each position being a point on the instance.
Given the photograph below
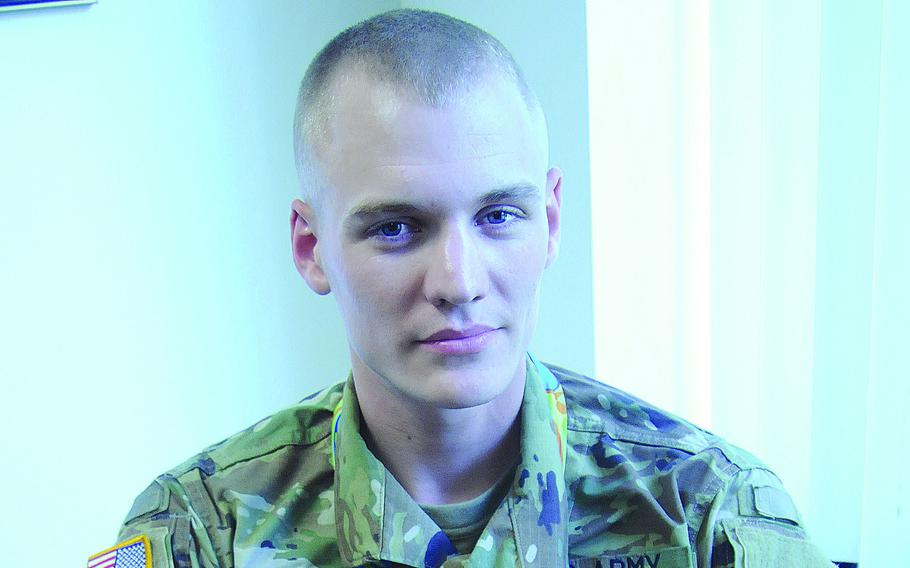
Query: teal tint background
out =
(749, 165)
(862, 371)
(748, 224)
(148, 302)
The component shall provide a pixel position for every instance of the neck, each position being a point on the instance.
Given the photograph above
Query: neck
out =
(441, 455)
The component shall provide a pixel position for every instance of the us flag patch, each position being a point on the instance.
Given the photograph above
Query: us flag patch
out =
(133, 553)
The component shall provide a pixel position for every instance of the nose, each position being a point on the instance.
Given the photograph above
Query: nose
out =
(455, 273)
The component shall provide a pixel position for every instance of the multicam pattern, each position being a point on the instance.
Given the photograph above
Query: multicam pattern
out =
(605, 480)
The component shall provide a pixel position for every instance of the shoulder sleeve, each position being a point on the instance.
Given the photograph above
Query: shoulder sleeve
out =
(753, 522)
(164, 514)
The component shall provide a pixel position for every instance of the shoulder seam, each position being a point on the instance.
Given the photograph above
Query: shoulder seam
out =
(274, 449)
(309, 429)
(618, 432)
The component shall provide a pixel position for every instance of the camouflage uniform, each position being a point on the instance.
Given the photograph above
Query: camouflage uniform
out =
(605, 480)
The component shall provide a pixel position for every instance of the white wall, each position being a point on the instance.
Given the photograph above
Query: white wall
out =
(148, 303)
(750, 239)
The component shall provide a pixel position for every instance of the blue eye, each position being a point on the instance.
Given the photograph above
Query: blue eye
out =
(393, 233)
(391, 229)
(499, 217)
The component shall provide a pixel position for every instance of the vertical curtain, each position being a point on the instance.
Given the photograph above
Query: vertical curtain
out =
(750, 185)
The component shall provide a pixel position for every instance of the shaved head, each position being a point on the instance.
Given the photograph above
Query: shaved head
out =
(427, 56)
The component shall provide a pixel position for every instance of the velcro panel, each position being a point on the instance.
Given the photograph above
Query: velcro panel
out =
(775, 503)
(152, 500)
(768, 502)
(763, 544)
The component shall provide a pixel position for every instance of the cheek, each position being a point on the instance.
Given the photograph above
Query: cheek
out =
(519, 282)
(373, 289)
(523, 263)
(518, 286)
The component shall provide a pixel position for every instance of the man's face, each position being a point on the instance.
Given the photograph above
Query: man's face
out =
(434, 234)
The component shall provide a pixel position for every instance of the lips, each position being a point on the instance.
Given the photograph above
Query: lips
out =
(466, 341)
(449, 334)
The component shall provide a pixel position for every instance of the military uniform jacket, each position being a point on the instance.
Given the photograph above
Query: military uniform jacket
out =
(605, 480)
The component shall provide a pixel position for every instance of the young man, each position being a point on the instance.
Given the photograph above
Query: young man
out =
(430, 212)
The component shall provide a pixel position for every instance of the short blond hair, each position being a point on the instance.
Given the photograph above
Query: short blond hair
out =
(433, 55)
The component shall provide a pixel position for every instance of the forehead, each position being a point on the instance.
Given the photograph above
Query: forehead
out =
(379, 138)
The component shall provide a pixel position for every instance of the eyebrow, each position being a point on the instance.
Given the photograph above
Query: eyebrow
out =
(511, 192)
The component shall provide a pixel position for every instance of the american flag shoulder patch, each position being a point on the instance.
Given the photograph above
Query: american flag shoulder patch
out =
(133, 553)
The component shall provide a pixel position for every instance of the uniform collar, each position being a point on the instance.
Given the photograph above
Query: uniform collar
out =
(377, 520)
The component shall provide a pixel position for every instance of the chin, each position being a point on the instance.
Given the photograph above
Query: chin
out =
(465, 387)
(458, 400)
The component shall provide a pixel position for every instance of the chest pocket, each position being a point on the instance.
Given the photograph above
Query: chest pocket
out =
(674, 557)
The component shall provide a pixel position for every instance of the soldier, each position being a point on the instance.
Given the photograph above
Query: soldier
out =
(429, 210)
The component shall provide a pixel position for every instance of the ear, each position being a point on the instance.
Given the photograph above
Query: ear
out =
(305, 248)
(554, 203)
